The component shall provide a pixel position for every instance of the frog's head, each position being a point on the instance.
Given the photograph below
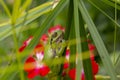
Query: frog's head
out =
(57, 37)
(56, 34)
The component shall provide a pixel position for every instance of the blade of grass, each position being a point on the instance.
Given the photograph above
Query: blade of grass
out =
(25, 6)
(77, 33)
(115, 34)
(69, 20)
(86, 61)
(72, 47)
(5, 8)
(117, 64)
(15, 13)
(70, 34)
(98, 42)
(14, 18)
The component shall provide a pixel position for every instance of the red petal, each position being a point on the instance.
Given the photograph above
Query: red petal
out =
(33, 73)
(44, 71)
(66, 65)
(82, 76)
(91, 47)
(39, 46)
(26, 42)
(22, 48)
(51, 30)
(92, 56)
(67, 52)
(71, 73)
(88, 40)
(64, 73)
(95, 67)
(59, 27)
(39, 49)
(44, 38)
(30, 64)
(55, 28)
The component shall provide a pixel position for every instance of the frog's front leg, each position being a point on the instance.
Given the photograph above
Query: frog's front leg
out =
(60, 48)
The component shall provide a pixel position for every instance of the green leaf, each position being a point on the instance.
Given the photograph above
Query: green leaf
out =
(78, 45)
(108, 2)
(25, 6)
(15, 13)
(5, 28)
(98, 42)
(70, 35)
(117, 65)
(69, 20)
(72, 39)
(5, 7)
(85, 51)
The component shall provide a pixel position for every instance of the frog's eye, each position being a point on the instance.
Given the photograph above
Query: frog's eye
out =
(54, 35)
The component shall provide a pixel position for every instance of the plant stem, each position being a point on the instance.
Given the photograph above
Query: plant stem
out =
(115, 34)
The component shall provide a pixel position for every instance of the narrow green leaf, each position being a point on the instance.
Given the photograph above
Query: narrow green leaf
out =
(108, 2)
(25, 6)
(117, 64)
(15, 12)
(78, 45)
(69, 20)
(85, 55)
(98, 42)
(72, 38)
(5, 8)
(115, 34)
(70, 35)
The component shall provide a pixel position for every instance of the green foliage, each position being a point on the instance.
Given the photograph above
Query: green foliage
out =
(99, 18)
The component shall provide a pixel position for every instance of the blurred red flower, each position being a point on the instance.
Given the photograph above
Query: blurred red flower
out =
(34, 64)
(25, 43)
(95, 66)
(95, 69)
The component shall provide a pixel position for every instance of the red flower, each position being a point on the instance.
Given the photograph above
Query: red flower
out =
(44, 39)
(91, 47)
(25, 43)
(95, 68)
(34, 65)
(66, 63)
(71, 73)
(56, 28)
(34, 68)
